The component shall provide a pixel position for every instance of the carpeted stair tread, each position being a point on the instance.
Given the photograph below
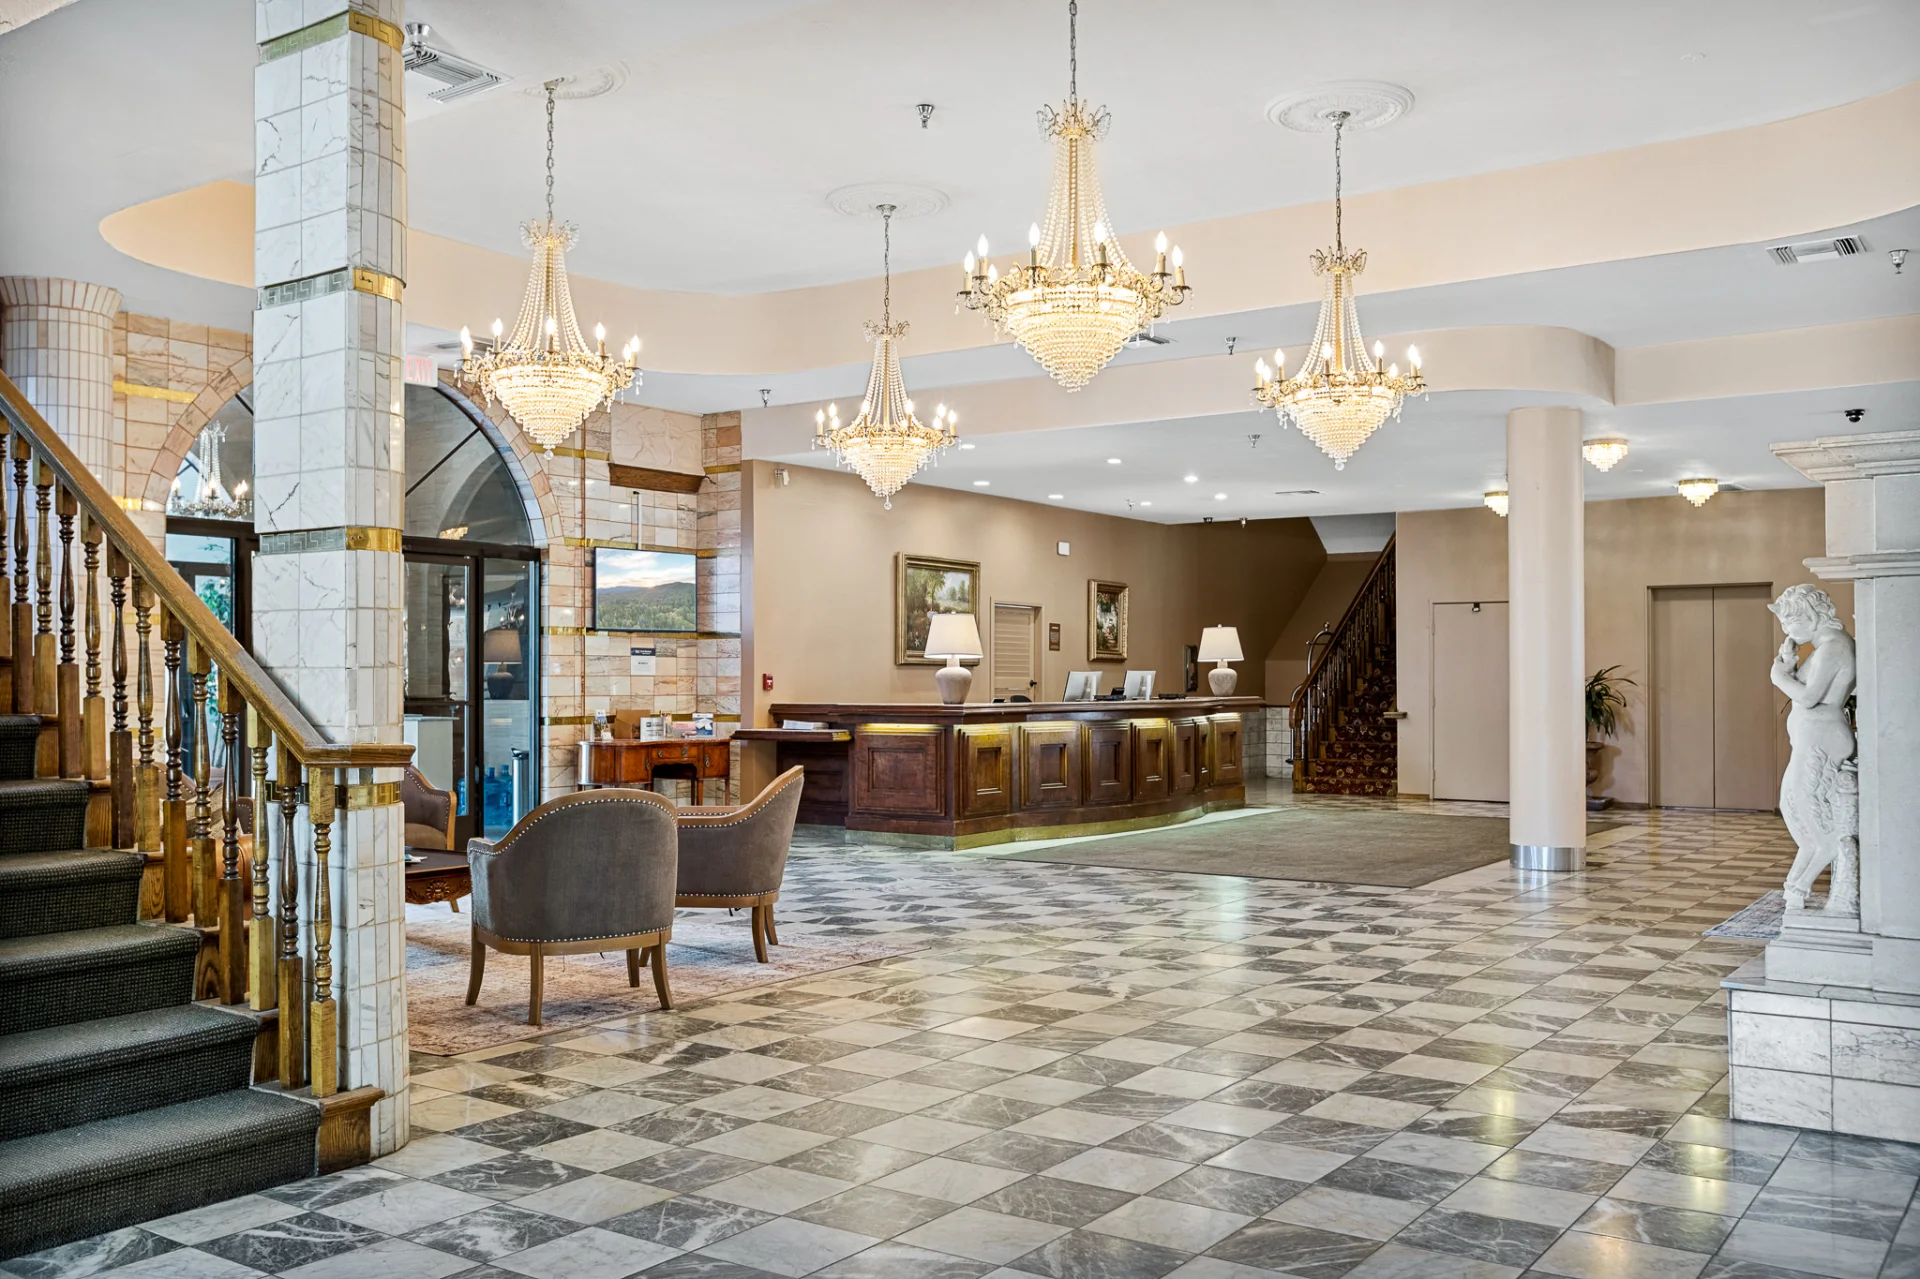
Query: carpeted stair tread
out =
(115, 1172)
(43, 814)
(19, 743)
(14, 790)
(85, 948)
(58, 979)
(35, 1056)
(52, 892)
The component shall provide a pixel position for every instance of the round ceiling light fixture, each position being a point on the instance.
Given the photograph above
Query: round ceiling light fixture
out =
(1368, 105)
(1604, 454)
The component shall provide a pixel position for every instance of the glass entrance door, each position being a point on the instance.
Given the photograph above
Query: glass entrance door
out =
(508, 706)
(438, 677)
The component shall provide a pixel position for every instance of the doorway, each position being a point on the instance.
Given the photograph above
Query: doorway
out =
(1470, 729)
(216, 559)
(471, 679)
(1016, 650)
(1711, 706)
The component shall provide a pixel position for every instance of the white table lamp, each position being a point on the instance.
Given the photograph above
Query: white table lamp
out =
(953, 636)
(1221, 644)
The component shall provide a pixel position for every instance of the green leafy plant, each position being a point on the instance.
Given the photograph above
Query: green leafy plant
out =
(1605, 702)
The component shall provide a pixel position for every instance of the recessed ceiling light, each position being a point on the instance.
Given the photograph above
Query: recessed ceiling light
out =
(1113, 461)
(1145, 503)
(980, 484)
(1219, 497)
(1056, 497)
(1193, 479)
(969, 446)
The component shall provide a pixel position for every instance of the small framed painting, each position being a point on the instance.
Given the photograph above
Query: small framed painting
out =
(925, 585)
(1106, 621)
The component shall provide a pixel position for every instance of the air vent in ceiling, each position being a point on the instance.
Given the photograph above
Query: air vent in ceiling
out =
(457, 77)
(1296, 492)
(1147, 339)
(1844, 246)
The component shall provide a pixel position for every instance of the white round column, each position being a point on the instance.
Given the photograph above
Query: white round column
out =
(56, 343)
(1546, 619)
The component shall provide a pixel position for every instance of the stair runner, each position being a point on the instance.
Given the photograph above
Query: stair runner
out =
(121, 1100)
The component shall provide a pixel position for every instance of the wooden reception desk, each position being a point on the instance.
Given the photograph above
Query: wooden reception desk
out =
(962, 776)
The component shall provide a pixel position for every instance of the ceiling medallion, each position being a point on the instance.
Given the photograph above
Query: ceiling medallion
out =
(1076, 299)
(1698, 489)
(544, 372)
(1368, 104)
(1341, 395)
(886, 445)
(1604, 454)
(866, 199)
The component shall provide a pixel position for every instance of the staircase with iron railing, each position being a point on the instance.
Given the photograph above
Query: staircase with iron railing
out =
(168, 1036)
(1344, 740)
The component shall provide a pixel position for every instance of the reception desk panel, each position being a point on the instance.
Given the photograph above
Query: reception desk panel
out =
(981, 774)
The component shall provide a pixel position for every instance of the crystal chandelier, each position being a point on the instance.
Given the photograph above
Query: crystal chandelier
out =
(1340, 396)
(544, 372)
(1604, 454)
(1076, 299)
(1698, 490)
(213, 501)
(886, 445)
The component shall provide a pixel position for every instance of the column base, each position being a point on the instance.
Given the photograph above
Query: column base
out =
(1818, 952)
(1548, 857)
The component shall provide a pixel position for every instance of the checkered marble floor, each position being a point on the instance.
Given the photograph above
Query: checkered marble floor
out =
(1105, 1074)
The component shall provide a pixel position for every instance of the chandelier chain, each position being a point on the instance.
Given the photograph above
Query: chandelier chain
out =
(550, 86)
(1339, 128)
(886, 261)
(1073, 50)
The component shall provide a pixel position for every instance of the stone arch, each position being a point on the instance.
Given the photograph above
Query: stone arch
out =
(186, 429)
(522, 461)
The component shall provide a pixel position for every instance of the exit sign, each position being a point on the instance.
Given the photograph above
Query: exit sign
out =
(421, 371)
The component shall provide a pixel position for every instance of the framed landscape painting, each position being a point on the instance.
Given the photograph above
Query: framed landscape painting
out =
(925, 585)
(1106, 621)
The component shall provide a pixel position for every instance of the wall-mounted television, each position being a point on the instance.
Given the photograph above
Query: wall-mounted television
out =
(643, 591)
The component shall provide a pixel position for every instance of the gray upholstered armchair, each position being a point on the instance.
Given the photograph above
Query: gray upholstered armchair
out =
(736, 857)
(579, 874)
(428, 811)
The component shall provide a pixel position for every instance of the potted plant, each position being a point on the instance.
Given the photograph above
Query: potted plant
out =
(1605, 703)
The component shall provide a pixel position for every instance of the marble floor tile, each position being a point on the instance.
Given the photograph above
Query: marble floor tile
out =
(591, 1253)
(869, 1210)
(788, 1247)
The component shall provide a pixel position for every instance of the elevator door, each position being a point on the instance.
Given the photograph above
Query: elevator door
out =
(1470, 701)
(1711, 706)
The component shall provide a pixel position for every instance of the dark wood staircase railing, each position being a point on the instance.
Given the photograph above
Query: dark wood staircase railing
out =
(1343, 741)
(162, 803)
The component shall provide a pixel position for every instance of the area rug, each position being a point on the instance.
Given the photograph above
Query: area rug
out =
(710, 954)
(1317, 844)
(1758, 922)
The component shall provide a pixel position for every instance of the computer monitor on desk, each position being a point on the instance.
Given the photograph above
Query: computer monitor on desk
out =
(1139, 685)
(1082, 686)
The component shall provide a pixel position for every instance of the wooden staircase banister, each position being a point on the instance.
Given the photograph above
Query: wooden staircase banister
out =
(1335, 713)
(1380, 565)
(290, 724)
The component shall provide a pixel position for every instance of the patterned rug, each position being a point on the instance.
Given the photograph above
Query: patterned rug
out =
(1758, 922)
(711, 953)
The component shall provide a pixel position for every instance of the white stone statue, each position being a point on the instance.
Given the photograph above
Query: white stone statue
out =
(1820, 794)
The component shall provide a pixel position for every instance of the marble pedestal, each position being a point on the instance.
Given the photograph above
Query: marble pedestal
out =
(1821, 950)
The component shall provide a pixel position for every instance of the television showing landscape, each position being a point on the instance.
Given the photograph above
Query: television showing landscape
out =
(643, 591)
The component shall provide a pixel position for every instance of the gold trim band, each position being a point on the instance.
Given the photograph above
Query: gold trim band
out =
(612, 544)
(370, 795)
(377, 28)
(592, 455)
(349, 538)
(332, 28)
(723, 470)
(155, 392)
(385, 286)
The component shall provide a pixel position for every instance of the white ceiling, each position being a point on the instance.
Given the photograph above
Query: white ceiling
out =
(1445, 451)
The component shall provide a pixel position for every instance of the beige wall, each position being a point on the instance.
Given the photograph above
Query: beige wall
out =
(821, 564)
(1631, 547)
(1325, 602)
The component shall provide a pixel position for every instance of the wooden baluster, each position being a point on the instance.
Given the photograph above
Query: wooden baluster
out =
(146, 810)
(262, 981)
(206, 888)
(324, 1057)
(6, 569)
(46, 659)
(119, 741)
(72, 741)
(22, 619)
(292, 968)
(233, 910)
(173, 812)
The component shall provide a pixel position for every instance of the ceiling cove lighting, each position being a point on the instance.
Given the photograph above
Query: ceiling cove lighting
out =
(1340, 396)
(1698, 489)
(1076, 299)
(1604, 454)
(1192, 479)
(886, 445)
(1496, 501)
(544, 372)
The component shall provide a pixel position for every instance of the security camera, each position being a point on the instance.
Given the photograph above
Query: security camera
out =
(1854, 415)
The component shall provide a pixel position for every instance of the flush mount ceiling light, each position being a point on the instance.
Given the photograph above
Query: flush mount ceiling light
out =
(1496, 501)
(1604, 454)
(1076, 300)
(544, 372)
(1698, 489)
(1341, 395)
(886, 445)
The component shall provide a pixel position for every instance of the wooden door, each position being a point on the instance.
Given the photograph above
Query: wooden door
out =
(1744, 775)
(1016, 650)
(1470, 742)
(1680, 701)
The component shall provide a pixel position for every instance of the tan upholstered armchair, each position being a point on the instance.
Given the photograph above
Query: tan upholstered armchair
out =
(737, 857)
(429, 812)
(578, 875)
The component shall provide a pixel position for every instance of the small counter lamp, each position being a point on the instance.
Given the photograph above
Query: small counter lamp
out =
(953, 636)
(1221, 644)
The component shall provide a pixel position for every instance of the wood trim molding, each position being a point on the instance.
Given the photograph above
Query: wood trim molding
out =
(620, 475)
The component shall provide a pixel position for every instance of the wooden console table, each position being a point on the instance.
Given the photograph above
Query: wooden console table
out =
(963, 776)
(439, 876)
(626, 761)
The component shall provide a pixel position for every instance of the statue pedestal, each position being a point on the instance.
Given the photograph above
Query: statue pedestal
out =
(1818, 949)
